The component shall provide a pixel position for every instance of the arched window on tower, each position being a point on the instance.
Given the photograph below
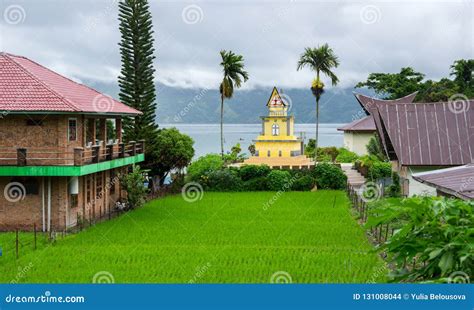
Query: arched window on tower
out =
(275, 130)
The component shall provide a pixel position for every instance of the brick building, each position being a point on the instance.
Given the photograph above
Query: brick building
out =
(61, 149)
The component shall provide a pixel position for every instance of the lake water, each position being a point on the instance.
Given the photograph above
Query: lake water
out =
(207, 136)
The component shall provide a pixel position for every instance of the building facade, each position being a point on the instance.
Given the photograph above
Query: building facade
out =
(357, 134)
(422, 137)
(277, 145)
(61, 149)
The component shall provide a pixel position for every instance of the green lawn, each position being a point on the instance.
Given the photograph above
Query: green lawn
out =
(223, 238)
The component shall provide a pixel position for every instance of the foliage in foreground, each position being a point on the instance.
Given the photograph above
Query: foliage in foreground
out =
(222, 238)
(434, 237)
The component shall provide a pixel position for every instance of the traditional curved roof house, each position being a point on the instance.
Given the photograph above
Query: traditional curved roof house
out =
(358, 133)
(420, 137)
(58, 161)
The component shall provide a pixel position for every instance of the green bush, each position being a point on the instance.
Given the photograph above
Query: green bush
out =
(253, 171)
(278, 180)
(133, 184)
(304, 183)
(380, 170)
(394, 190)
(328, 176)
(432, 240)
(224, 180)
(327, 153)
(346, 156)
(203, 166)
(256, 184)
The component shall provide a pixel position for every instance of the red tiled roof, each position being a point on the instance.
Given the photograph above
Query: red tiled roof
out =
(425, 134)
(365, 124)
(27, 86)
(457, 181)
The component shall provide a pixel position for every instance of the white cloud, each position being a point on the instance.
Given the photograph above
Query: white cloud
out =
(79, 38)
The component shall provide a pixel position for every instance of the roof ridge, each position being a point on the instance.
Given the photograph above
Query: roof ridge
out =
(65, 100)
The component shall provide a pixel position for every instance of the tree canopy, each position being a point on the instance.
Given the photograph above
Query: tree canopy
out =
(407, 81)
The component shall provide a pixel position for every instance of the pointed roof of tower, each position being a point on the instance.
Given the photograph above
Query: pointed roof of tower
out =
(275, 99)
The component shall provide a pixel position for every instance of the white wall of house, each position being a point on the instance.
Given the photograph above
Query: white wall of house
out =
(417, 188)
(357, 141)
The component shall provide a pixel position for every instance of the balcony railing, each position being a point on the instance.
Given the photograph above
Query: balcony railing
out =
(78, 156)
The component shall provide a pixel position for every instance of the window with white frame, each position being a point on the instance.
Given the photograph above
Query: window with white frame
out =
(275, 130)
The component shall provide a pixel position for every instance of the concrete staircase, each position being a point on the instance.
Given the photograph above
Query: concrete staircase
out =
(354, 178)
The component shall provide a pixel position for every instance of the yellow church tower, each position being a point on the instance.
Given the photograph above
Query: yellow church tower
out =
(277, 146)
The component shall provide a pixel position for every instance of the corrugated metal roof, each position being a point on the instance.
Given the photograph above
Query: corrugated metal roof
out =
(424, 134)
(364, 124)
(368, 102)
(457, 181)
(27, 86)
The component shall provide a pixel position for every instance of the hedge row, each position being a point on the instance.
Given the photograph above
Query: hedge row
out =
(210, 172)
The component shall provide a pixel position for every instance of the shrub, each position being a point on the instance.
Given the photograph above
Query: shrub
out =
(327, 153)
(133, 184)
(253, 171)
(256, 184)
(380, 170)
(278, 180)
(224, 180)
(394, 190)
(329, 176)
(304, 183)
(203, 166)
(432, 239)
(374, 148)
(346, 156)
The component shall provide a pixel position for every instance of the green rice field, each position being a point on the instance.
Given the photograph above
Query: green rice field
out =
(250, 237)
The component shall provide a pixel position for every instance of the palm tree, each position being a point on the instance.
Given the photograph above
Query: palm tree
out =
(233, 68)
(321, 60)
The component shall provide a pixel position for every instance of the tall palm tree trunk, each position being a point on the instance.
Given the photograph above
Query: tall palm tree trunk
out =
(222, 126)
(317, 130)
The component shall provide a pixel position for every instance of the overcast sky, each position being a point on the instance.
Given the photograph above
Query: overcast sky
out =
(78, 38)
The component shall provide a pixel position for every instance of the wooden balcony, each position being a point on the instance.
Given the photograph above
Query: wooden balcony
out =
(78, 156)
